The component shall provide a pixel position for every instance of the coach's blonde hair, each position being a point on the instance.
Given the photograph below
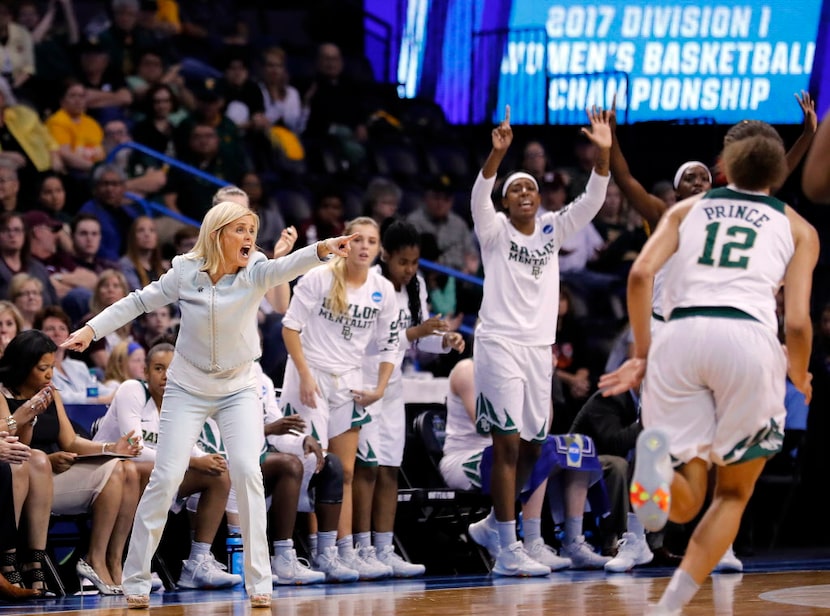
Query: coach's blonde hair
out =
(338, 302)
(208, 245)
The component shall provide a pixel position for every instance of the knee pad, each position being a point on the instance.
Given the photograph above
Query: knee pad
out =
(328, 483)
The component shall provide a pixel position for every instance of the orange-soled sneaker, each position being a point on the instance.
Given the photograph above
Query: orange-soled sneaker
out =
(651, 484)
(138, 602)
(261, 600)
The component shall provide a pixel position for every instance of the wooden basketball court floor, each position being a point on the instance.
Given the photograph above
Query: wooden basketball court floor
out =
(776, 583)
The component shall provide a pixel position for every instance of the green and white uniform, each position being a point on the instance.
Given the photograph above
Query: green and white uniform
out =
(517, 320)
(717, 371)
(334, 346)
(382, 440)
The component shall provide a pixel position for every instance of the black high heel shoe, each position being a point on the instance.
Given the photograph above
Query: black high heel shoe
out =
(86, 572)
(9, 568)
(35, 575)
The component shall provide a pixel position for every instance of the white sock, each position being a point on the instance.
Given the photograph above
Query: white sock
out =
(197, 548)
(381, 540)
(679, 592)
(363, 540)
(325, 539)
(532, 528)
(635, 526)
(282, 546)
(345, 545)
(507, 533)
(573, 528)
(312, 543)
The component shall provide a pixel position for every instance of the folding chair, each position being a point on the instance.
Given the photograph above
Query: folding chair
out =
(430, 512)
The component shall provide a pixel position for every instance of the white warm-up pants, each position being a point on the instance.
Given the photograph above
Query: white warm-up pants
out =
(239, 416)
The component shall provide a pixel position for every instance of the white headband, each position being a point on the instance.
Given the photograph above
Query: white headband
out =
(518, 176)
(685, 166)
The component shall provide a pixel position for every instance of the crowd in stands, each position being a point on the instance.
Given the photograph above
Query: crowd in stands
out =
(314, 151)
(313, 148)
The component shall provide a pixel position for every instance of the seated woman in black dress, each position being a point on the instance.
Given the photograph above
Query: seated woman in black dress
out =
(30, 493)
(105, 486)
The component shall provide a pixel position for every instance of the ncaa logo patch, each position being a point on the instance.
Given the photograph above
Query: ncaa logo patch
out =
(377, 296)
(547, 229)
(575, 453)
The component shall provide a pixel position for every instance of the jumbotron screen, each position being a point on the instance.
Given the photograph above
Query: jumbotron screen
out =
(681, 60)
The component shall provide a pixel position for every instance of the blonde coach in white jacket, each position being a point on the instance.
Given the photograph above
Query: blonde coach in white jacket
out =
(218, 286)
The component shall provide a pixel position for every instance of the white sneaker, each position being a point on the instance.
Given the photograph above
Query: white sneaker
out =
(329, 563)
(650, 491)
(729, 563)
(631, 551)
(291, 570)
(155, 582)
(541, 552)
(400, 567)
(365, 560)
(514, 561)
(486, 536)
(582, 555)
(204, 572)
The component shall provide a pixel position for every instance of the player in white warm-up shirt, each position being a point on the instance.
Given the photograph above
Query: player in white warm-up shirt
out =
(336, 311)
(518, 320)
(382, 440)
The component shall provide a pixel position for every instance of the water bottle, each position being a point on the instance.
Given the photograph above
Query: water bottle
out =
(236, 558)
(92, 388)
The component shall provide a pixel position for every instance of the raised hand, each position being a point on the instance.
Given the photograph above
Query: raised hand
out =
(808, 108)
(38, 403)
(286, 242)
(600, 131)
(503, 134)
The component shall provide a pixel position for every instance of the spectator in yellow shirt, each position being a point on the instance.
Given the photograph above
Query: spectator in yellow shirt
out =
(80, 138)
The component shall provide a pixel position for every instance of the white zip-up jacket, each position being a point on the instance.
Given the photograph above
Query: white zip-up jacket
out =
(218, 331)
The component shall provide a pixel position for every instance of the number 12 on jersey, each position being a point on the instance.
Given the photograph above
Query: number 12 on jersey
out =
(744, 240)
